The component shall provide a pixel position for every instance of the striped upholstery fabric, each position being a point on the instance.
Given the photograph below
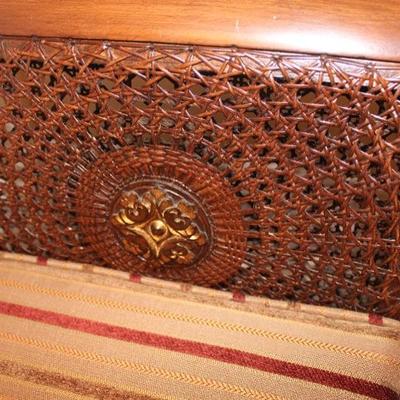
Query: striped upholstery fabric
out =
(72, 331)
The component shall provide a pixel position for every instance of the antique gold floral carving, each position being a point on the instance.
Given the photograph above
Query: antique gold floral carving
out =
(158, 228)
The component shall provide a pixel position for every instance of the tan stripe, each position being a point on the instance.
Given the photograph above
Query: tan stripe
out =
(21, 390)
(279, 385)
(139, 367)
(112, 304)
(67, 383)
(64, 374)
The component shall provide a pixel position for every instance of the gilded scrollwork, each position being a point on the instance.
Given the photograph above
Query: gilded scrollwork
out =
(159, 228)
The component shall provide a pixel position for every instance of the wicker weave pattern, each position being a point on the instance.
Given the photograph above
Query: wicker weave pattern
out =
(295, 159)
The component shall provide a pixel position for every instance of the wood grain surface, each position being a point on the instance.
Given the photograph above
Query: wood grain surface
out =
(358, 28)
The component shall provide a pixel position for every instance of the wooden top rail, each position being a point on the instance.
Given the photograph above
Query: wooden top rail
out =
(354, 28)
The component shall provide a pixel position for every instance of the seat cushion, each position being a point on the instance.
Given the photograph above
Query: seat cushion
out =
(77, 331)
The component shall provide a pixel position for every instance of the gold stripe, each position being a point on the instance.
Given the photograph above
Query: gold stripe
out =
(141, 368)
(112, 304)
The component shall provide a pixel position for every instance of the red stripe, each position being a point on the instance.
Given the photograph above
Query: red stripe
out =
(375, 319)
(232, 356)
(239, 297)
(41, 260)
(135, 278)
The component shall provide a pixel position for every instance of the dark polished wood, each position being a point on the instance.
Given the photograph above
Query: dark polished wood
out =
(357, 28)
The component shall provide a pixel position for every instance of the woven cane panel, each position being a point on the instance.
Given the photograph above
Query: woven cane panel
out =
(269, 174)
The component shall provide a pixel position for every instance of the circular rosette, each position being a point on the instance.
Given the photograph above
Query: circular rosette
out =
(158, 212)
(159, 229)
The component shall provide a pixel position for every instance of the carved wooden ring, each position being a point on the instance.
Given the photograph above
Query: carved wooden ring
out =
(164, 213)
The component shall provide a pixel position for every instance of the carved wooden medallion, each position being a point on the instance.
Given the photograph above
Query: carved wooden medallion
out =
(156, 227)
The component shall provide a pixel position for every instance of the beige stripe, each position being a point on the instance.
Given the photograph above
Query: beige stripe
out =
(160, 359)
(21, 390)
